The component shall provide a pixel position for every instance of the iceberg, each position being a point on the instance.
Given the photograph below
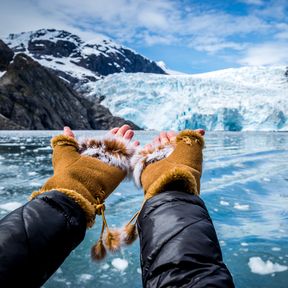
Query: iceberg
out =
(235, 99)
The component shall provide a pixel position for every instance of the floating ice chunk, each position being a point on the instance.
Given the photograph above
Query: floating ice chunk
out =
(117, 193)
(224, 203)
(45, 148)
(85, 277)
(244, 244)
(258, 266)
(243, 207)
(10, 206)
(35, 184)
(139, 271)
(266, 179)
(276, 249)
(105, 266)
(32, 173)
(120, 264)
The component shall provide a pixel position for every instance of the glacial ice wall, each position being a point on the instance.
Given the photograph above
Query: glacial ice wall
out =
(247, 98)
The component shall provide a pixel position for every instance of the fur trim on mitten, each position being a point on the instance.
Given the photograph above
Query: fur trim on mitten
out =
(143, 158)
(111, 149)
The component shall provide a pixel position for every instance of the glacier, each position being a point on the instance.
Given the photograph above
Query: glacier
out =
(234, 99)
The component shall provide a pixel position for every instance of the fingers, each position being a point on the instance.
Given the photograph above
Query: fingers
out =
(126, 132)
(122, 130)
(156, 141)
(201, 131)
(114, 130)
(148, 147)
(164, 138)
(68, 132)
(171, 135)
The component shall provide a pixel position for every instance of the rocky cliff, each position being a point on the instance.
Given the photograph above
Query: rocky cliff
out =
(32, 97)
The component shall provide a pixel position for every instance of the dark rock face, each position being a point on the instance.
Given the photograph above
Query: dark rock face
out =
(6, 56)
(34, 97)
(124, 60)
(100, 116)
(31, 97)
(7, 124)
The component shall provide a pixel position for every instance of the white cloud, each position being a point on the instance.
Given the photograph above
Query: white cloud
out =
(266, 54)
(252, 2)
(165, 22)
(275, 9)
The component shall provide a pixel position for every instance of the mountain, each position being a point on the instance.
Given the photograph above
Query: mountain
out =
(32, 97)
(247, 98)
(76, 61)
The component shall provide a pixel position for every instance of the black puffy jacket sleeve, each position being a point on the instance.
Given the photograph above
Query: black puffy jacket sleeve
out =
(179, 245)
(36, 238)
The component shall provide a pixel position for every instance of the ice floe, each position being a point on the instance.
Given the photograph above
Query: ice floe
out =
(243, 207)
(224, 203)
(10, 206)
(120, 264)
(258, 266)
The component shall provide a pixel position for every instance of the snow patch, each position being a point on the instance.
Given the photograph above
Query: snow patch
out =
(163, 66)
(258, 266)
(120, 264)
(2, 73)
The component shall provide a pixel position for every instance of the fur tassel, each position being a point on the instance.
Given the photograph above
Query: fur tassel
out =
(129, 233)
(98, 251)
(112, 240)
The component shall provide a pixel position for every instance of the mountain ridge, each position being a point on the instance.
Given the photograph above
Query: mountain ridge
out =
(77, 61)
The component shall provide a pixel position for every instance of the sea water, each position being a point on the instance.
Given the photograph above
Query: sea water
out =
(244, 186)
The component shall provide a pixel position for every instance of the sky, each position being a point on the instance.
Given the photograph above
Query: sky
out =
(189, 36)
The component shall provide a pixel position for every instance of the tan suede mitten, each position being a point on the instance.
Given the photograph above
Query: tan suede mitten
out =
(88, 180)
(88, 171)
(175, 166)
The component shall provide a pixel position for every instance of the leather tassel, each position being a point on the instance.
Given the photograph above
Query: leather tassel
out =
(112, 240)
(98, 251)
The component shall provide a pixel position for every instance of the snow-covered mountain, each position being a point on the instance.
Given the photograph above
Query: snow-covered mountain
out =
(248, 98)
(77, 61)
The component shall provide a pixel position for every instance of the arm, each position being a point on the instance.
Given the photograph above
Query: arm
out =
(36, 238)
(179, 245)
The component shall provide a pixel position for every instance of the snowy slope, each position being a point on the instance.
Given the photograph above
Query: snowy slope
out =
(248, 98)
(168, 71)
(22, 43)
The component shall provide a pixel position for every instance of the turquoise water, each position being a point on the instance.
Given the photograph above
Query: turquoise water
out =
(244, 186)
